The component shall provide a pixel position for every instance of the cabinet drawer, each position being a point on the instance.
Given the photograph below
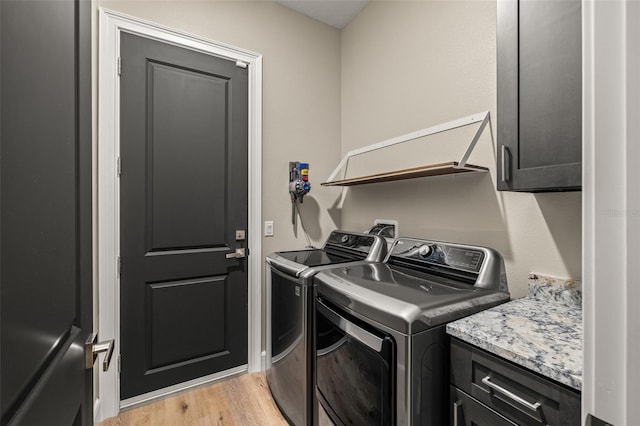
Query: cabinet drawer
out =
(515, 392)
(466, 411)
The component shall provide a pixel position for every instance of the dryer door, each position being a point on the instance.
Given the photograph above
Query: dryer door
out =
(355, 369)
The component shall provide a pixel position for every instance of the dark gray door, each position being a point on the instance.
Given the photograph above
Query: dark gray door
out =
(183, 196)
(45, 203)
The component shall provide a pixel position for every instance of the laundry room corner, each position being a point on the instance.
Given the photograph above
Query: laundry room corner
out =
(438, 62)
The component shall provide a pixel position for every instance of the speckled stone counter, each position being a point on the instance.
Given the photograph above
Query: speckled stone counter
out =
(542, 332)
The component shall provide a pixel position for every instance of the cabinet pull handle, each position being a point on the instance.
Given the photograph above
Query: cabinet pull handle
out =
(506, 176)
(456, 409)
(533, 407)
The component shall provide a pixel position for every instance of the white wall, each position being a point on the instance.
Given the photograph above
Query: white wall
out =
(409, 65)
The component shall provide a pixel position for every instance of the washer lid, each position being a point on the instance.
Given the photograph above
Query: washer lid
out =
(314, 257)
(340, 247)
(405, 300)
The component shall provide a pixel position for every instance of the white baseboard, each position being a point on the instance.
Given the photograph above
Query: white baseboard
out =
(96, 410)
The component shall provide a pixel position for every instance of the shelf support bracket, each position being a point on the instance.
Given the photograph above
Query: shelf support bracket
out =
(485, 120)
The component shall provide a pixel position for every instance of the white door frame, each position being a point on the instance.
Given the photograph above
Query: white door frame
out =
(611, 211)
(111, 24)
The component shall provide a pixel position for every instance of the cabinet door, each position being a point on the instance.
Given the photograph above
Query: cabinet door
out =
(539, 95)
(467, 411)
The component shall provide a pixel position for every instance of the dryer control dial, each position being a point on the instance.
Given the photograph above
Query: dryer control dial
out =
(425, 251)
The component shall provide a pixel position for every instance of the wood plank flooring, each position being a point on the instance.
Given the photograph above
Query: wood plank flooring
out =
(243, 400)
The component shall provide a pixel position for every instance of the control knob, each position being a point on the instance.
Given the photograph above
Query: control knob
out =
(425, 251)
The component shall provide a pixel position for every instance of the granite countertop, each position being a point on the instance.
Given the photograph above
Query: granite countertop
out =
(542, 332)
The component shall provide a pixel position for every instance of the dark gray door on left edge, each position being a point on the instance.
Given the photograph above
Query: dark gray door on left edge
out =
(45, 212)
(183, 186)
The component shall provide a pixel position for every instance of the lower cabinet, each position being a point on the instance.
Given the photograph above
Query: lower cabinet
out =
(489, 391)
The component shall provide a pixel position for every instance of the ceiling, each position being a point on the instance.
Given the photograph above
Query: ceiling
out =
(337, 13)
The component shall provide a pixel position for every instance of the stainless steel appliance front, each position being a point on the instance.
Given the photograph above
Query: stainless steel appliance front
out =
(290, 317)
(407, 299)
(355, 368)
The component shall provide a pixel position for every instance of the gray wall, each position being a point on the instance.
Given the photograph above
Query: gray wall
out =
(407, 65)
(398, 67)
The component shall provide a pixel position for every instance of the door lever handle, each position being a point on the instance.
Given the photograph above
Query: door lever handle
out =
(238, 254)
(92, 348)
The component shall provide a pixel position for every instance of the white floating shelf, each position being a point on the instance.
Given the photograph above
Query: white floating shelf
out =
(452, 167)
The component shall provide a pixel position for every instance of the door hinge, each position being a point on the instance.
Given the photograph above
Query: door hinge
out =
(119, 363)
(241, 64)
(119, 166)
(119, 66)
(119, 267)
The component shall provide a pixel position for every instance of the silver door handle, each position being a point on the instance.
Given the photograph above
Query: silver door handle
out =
(238, 254)
(92, 348)
(533, 407)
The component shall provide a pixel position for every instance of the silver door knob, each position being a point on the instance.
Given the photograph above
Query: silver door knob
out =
(238, 254)
(92, 348)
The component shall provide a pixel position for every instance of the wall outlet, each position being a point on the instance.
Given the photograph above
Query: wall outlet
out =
(387, 228)
(268, 228)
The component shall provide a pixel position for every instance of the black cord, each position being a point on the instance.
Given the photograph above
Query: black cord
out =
(302, 224)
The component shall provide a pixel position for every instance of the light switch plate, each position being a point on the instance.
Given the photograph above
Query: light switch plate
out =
(268, 228)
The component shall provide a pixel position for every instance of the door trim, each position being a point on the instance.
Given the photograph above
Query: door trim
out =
(111, 25)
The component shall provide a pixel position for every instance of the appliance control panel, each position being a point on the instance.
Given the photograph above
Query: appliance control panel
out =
(360, 242)
(450, 255)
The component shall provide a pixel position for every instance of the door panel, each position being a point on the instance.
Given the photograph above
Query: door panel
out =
(55, 398)
(202, 308)
(550, 83)
(45, 238)
(186, 218)
(183, 194)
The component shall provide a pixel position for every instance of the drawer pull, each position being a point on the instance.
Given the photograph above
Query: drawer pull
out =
(533, 407)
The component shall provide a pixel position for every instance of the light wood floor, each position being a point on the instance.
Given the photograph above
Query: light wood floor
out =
(243, 400)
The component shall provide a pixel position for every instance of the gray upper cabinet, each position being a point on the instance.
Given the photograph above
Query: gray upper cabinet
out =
(539, 95)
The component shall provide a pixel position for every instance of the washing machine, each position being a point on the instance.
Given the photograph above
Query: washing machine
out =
(291, 316)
